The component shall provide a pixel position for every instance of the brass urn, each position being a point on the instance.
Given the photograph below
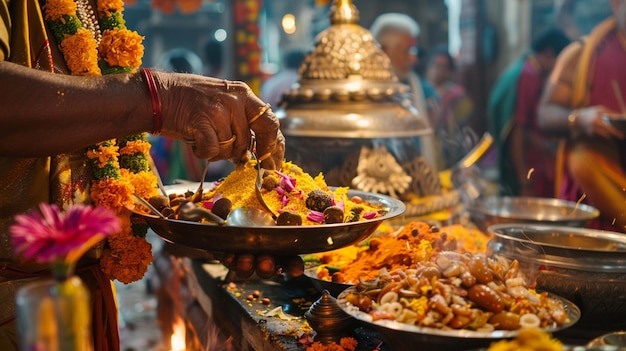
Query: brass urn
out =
(349, 117)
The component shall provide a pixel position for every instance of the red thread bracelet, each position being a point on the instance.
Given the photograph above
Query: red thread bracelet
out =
(157, 112)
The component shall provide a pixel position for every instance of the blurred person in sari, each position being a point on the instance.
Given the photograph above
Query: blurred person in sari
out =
(526, 153)
(583, 94)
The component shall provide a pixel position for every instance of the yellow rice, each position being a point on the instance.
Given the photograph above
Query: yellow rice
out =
(239, 188)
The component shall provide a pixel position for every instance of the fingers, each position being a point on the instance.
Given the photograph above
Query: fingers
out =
(270, 143)
(225, 120)
(606, 129)
(218, 117)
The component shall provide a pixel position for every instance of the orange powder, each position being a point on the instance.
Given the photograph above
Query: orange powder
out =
(414, 242)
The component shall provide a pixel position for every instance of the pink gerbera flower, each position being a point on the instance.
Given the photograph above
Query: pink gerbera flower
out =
(49, 235)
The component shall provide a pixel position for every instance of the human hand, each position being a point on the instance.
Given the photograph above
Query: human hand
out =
(595, 121)
(219, 117)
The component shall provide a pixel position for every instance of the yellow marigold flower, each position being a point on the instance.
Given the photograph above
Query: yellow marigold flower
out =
(106, 7)
(104, 154)
(81, 53)
(55, 9)
(121, 48)
(133, 147)
(144, 182)
(111, 193)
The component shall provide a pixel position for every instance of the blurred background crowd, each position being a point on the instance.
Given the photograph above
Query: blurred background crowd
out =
(456, 49)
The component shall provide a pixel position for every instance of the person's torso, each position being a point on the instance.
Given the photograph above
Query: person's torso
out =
(609, 69)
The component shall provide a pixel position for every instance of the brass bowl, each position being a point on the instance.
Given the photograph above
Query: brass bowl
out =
(333, 288)
(276, 240)
(492, 210)
(584, 265)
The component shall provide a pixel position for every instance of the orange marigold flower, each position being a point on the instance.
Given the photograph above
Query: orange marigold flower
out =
(127, 258)
(348, 343)
(104, 154)
(144, 182)
(318, 346)
(106, 7)
(121, 48)
(81, 53)
(55, 9)
(112, 193)
(133, 147)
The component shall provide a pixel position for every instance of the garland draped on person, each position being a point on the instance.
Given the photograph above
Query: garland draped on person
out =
(120, 168)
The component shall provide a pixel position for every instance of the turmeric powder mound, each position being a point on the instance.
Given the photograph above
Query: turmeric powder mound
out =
(410, 245)
(291, 187)
(414, 242)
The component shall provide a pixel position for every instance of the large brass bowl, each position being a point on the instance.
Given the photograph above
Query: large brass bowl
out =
(277, 240)
(533, 210)
(584, 265)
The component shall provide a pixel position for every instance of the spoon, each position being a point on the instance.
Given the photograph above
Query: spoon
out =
(148, 205)
(259, 184)
(249, 217)
(197, 196)
(155, 171)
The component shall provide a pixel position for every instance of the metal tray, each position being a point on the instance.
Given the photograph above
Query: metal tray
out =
(277, 240)
(404, 336)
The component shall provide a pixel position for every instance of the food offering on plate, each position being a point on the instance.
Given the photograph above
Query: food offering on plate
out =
(295, 196)
(404, 248)
(458, 291)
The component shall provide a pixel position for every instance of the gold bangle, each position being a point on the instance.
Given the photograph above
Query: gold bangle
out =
(258, 115)
(229, 141)
(265, 157)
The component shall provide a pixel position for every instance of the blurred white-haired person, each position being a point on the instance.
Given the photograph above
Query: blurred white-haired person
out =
(397, 34)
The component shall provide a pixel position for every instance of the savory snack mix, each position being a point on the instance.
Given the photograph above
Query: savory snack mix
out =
(458, 291)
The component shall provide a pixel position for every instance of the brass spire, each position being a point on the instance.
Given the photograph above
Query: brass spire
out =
(343, 11)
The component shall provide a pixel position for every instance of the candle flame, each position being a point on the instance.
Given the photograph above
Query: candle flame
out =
(178, 336)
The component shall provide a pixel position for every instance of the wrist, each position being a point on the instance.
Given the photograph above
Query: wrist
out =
(155, 100)
(572, 122)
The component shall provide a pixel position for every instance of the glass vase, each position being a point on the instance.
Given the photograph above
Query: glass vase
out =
(54, 315)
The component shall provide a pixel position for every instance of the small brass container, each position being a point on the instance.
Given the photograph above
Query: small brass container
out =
(328, 320)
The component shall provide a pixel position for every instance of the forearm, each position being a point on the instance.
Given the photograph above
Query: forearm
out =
(44, 114)
(553, 118)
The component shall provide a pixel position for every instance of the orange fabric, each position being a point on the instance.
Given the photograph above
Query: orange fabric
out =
(104, 309)
(577, 78)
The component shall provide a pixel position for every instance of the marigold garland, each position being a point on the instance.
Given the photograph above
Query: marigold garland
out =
(120, 167)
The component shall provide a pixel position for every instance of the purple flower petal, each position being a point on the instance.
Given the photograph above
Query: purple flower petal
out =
(285, 181)
(341, 205)
(370, 214)
(315, 216)
(284, 200)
